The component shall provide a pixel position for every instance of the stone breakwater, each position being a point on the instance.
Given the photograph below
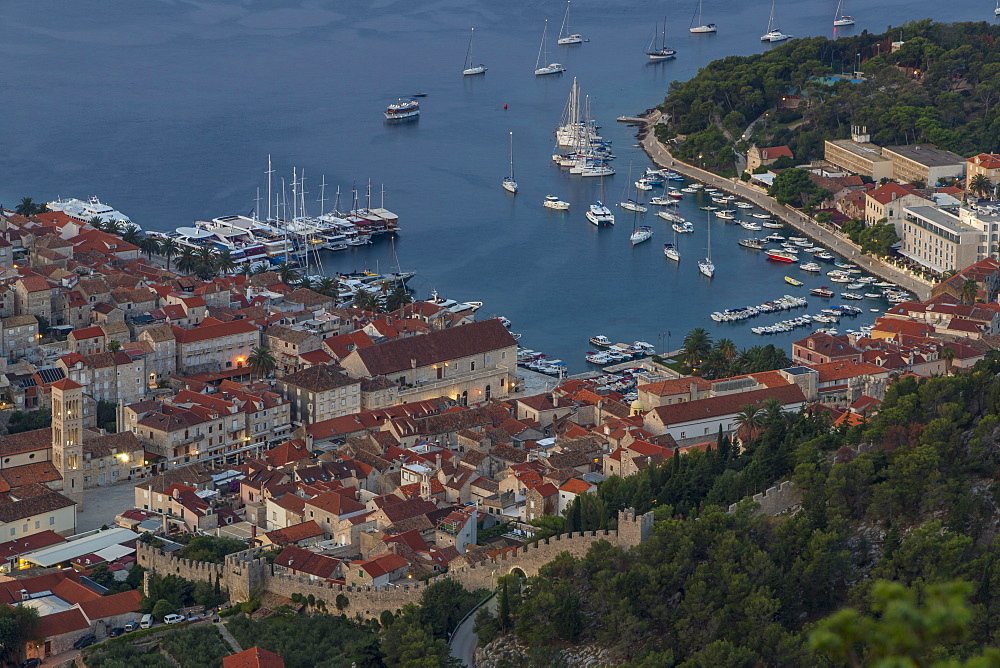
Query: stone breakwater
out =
(245, 575)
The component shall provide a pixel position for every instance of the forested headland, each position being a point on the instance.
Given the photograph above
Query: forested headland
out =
(941, 86)
(897, 530)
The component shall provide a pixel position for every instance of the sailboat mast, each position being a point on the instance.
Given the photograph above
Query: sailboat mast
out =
(269, 173)
(295, 184)
(512, 155)
(256, 206)
(468, 53)
(322, 195)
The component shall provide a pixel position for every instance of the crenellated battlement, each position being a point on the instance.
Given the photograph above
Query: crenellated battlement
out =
(245, 574)
(775, 499)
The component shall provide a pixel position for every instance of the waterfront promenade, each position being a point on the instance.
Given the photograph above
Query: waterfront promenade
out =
(659, 154)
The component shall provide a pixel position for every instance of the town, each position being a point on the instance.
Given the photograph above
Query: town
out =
(364, 449)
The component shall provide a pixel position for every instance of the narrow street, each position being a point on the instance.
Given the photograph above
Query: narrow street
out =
(838, 244)
(463, 643)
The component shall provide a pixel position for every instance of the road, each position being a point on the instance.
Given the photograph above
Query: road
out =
(463, 643)
(835, 242)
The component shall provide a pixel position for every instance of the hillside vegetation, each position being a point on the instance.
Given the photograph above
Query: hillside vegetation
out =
(942, 86)
(909, 497)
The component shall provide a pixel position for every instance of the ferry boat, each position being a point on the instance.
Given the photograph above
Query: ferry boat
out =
(87, 210)
(780, 256)
(402, 110)
(822, 292)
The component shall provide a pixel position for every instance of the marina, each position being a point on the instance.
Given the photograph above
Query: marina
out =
(460, 231)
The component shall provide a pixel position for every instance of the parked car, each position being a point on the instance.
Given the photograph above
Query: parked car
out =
(31, 663)
(85, 641)
(115, 632)
(173, 619)
(131, 626)
(147, 621)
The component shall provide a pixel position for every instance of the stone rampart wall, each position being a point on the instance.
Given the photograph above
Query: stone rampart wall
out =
(245, 575)
(776, 499)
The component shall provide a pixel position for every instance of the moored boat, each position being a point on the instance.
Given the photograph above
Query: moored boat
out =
(793, 281)
(780, 256)
(553, 202)
(402, 110)
(822, 292)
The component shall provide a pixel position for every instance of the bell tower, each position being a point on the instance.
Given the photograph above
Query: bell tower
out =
(67, 437)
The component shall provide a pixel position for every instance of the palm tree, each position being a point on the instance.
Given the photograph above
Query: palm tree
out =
(188, 261)
(149, 245)
(726, 347)
(305, 282)
(969, 291)
(113, 226)
(980, 185)
(27, 207)
(696, 346)
(948, 355)
(261, 361)
(366, 301)
(774, 411)
(287, 273)
(749, 423)
(224, 261)
(168, 248)
(131, 233)
(97, 223)
(327, 287)
(398, 298)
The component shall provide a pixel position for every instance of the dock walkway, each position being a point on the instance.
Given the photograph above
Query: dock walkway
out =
(659, 154)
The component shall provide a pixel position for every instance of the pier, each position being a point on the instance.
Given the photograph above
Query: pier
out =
(659, 154)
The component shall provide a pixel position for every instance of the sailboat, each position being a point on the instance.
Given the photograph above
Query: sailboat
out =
(671, 251)
(564, 37)
(705, 265)
(697, 26)
(599, 214)
(631, 204)
(551, 68)
(509, 184)
(773, 34)
(996, 12)
(662, 53)
(640, 233)
(471, 69)
(845, 20)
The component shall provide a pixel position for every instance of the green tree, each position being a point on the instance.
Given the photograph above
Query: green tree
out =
(908, 628)
(131, 233)
(224, 261)
(261, 361)
(162, 608)
(187, 261)
(288, 274)
(793, 186)
(27, 207)
(948, 355)
(969, 291)
(697, 344)
(398, 298)
(366, 301)
(408, 642)
(168, 248)
(749, 422)
(980, 185)
(18, 625)
(149, 245)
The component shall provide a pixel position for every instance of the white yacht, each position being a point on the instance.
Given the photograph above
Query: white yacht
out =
(470, 69)
(840, 19)
(86, 210)
(551, 68)
(565, 38)
(632, 205)
(671, 252)
(640, 234)
(773, 34)
(553, 202)
(697, 27)
(705, 265)
(509, 184)
(599, 215)
(663, 52)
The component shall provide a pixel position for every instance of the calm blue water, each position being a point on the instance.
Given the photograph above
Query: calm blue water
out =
(167, 110)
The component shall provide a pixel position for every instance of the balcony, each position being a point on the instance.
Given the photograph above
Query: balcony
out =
(453, 378)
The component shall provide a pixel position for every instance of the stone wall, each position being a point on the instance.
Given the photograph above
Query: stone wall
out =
(776, 499)
(246, 575)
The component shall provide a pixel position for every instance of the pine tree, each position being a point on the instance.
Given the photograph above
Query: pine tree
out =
(504, 612)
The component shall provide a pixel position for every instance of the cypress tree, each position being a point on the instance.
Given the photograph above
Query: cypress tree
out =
(504, 612)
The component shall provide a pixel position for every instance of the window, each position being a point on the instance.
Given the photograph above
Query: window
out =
(52, 520)
(13, 532)
(38, 524)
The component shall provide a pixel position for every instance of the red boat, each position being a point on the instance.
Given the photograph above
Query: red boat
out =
(781, 256)
(822, 292)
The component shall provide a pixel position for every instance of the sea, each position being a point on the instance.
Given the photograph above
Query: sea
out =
(168, 110)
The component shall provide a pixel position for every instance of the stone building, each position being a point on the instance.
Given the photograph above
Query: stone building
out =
(320, 393)
(215, 345)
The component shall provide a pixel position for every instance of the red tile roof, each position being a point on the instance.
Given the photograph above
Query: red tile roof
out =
(834, 371)
(61, 623)
(775, 152)
(109, 606)
(986, 160)
(304, 561)
(255, 657)
(335, 503)
(212, 329)
(726, 405)
(382, 564)
(893, 191)
(294, 533)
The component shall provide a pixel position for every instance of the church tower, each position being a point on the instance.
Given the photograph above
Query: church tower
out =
(67, 437)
